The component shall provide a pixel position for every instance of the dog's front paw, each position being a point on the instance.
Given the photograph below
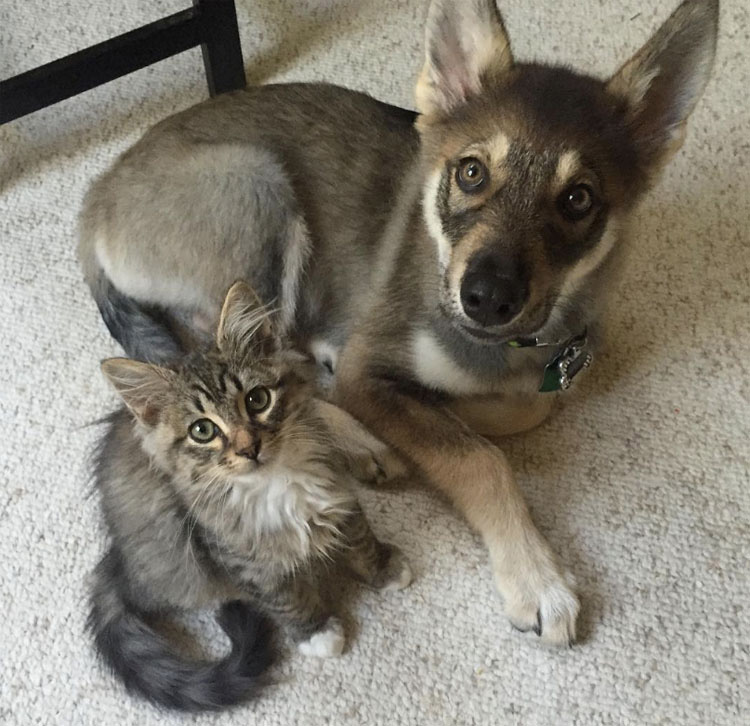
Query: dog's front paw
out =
(382, 467)
(328, 642)
(542, 601)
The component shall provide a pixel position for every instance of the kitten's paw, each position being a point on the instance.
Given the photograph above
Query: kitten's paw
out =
(397, 574)
(544, 605)
(328, 642)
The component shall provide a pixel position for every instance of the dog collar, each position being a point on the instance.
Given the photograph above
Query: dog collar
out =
(569, 360)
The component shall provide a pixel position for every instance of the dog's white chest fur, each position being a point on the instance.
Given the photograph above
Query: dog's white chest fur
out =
(434, 367)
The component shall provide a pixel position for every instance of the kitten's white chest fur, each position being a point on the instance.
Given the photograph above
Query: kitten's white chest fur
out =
(302, 508)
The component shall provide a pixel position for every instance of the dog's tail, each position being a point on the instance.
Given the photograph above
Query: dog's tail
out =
(150, 666)
(143, 331)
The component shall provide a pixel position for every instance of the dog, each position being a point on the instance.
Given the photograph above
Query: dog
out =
(443, 266)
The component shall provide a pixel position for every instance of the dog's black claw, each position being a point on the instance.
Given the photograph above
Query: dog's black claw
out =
(571, 641)
(533, 629)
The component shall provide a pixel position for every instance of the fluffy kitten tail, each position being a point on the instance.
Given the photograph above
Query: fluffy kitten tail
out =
(149, 665)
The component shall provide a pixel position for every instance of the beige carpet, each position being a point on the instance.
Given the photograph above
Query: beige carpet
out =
(640, 482)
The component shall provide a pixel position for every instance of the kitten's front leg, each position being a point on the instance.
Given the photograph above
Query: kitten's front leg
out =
(297, 604)
(380, 565)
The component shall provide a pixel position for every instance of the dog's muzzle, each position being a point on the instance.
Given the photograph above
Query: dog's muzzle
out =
(490, 295)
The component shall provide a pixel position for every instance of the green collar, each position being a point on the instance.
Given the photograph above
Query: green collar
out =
(569, 360)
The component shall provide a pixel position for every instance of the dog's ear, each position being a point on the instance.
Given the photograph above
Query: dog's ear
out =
(245, 323)
(142, 386)
(466, 45)
(663, 81)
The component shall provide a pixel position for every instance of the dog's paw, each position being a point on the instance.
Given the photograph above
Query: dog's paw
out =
(542, 602)
(328, 642)
(382, 467)
(397, 574)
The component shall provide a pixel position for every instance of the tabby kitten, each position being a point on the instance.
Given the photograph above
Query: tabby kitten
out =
(225, 482)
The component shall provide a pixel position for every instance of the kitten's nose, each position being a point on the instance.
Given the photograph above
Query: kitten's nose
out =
(250, 452)
(245, 445)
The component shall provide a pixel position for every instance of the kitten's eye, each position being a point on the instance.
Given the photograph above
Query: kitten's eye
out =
(576, 201)
(258, 399)
(471, 174)
(203, 430)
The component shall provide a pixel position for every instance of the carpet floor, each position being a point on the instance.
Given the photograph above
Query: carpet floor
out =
(640, 481)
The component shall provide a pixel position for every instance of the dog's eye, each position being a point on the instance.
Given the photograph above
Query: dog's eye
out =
(471, 174)
(258, 399)
(576, 201)
(203, 430)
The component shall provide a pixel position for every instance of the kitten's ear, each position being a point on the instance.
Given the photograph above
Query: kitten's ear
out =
(142, 386)
(244, 321)
(663, 81)
(465, 45)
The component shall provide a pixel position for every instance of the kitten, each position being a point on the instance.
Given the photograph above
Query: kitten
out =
(225, 482)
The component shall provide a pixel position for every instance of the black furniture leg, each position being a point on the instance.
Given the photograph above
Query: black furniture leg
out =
(212, 24)
(222, 52)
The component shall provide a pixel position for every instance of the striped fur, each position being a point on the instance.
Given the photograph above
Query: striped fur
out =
(251, 519)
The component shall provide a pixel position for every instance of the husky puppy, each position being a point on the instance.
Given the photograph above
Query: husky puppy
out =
(423, 259)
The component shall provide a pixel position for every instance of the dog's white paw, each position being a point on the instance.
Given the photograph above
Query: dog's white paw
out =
(328, 642)
(542, 602)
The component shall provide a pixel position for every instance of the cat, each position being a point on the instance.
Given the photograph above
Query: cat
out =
(225, 481)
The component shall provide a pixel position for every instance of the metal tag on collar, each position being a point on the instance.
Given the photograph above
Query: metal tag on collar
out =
(566, 365)
(536, 343)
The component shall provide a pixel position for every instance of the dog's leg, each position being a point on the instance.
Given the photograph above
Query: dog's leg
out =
(371, 460)
(504, 415)
(475, 475)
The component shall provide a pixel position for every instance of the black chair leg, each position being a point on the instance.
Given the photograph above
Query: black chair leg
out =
(222, 52)
(212, 24)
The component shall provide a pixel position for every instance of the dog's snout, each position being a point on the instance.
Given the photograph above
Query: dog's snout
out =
(491, 296)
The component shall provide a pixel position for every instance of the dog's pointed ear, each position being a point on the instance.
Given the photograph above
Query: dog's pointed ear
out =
(466, 44)
(142, 386)
(661, 84)
(244, 322)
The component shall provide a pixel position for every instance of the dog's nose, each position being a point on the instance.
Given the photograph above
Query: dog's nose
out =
(492, 298)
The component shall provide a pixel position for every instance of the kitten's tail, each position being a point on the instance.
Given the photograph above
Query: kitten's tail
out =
(150, 666)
